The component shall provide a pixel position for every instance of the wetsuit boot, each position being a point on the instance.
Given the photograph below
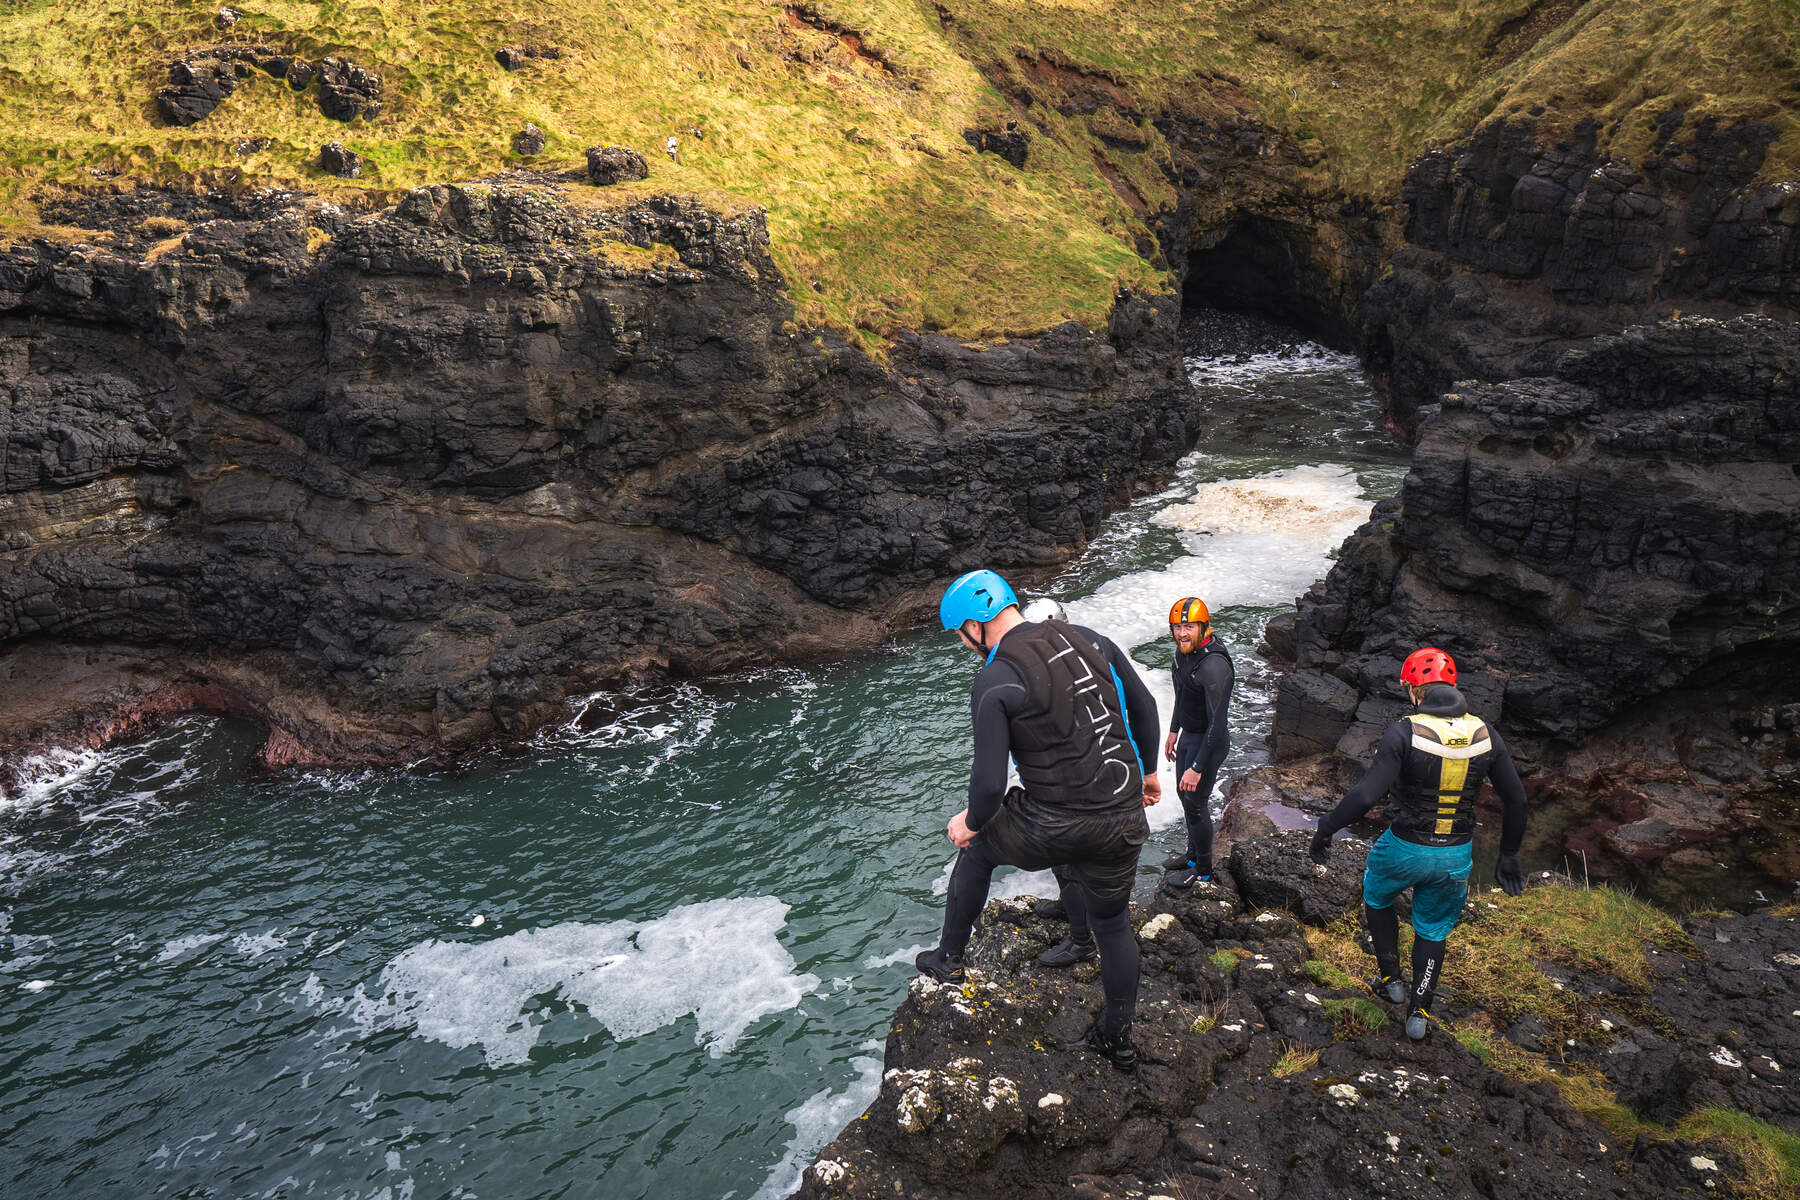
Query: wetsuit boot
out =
(1384, 932)
(1068, 952)
(1427, 964)
(1079, 946)
(945, 968)
(1111, 1034)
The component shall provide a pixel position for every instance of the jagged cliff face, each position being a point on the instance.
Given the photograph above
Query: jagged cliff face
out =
(400, 482)
(1612, 552)
(1518, 249)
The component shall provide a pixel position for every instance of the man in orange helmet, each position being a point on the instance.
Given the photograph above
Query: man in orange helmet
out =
(1198, 736)
(1429, 765)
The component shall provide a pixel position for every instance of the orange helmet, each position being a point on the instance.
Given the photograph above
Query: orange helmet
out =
(1428, 665)
(1190, 610)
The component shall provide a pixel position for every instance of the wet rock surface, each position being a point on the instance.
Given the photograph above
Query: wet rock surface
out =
(404, 480)
(1256, 1081)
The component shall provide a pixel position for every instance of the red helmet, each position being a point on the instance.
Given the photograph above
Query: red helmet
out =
(1429, 665)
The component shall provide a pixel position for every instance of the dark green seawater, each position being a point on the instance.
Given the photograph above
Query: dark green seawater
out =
(653, 953)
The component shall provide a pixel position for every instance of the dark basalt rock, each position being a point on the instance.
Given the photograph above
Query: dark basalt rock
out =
(402, 483)
(983, 1095)
(299, 74)
(528, 141)
(614, 164)
(514, 58)
(1010, 142)
(334, 159)
(348, 91)
(1593, 538)
(1517, 250)
(196, 87)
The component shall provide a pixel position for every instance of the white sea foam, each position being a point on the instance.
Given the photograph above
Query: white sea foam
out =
(1277, 367)
(818, 1120)
(182, 945)
(1008, 883)
(1256, 542)
(877, 961)
(719, 961)
(43, 777)
(254, 945)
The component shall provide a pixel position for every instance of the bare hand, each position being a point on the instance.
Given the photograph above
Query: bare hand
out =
(1169, 747)
(1190, 779)
(958, 829)
(1152, 789)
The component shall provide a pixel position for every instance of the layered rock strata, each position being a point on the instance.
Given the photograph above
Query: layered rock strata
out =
(401, 481)
(1261, 1076)
(1612, 551)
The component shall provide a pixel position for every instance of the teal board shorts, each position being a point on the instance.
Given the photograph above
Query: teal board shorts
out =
(1438, 876)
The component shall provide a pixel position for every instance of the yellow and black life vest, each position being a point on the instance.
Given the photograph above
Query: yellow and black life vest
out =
(1439, 777)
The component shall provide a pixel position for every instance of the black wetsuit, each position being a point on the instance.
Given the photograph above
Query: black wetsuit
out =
(1203, 682)
(1081, 807)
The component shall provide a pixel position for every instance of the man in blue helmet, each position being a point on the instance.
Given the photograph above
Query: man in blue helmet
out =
(1069, 708)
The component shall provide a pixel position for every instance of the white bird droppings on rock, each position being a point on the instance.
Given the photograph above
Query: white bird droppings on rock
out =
(828, 1171)
(1050, 1100)
(1726, 1058)
(1702, 1163)
(1344, 1093)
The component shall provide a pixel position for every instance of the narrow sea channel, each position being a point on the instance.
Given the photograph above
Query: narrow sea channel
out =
(654, 954)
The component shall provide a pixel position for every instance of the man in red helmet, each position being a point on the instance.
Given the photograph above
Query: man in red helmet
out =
(1430, 765)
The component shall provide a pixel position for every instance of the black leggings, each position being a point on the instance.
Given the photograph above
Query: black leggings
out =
(1110, 920)
(1194, 806)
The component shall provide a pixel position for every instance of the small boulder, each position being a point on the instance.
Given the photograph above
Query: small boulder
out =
(195, 88)
(335, 159)
(510, 57)
(347, 91)
(528, 141)
(226, 18)
(1010, 142)
(615, 164)
(299, 74)
(246, 148)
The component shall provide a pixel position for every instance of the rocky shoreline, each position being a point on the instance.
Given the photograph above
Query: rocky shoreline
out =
(398, 483)
(1266, 1071)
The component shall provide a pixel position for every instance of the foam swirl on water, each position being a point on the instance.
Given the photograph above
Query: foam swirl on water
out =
(719, 961)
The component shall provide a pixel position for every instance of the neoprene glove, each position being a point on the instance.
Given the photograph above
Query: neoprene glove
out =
(1508, 875)
(1320, 850)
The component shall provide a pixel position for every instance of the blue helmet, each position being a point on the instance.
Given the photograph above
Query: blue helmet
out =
(977, 596)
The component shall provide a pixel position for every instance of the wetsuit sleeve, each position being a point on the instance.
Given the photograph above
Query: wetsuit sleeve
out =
(1215, 680)
(1140, 705)
(1175, 709)
(1375, 781)
(1505, 778)
(997, 689)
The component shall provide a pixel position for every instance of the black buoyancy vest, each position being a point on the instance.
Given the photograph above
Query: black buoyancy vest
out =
(1070, 737)
(1193, 716)
(1443, 767)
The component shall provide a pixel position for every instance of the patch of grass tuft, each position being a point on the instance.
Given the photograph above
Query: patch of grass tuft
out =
(1294, 1060)
(1771, 1156)
(1354, 1016)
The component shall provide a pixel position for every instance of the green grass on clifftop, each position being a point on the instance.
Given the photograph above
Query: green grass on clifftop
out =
(845, 119)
